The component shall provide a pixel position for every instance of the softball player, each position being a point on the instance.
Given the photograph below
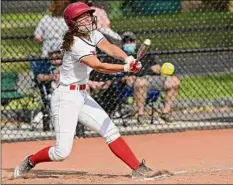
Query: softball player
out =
(70, 102)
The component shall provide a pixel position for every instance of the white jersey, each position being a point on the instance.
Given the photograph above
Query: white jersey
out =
(72, 70)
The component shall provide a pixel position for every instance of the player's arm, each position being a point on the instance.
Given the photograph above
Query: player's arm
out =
(112, 50)
(46, 77)
(95, 64)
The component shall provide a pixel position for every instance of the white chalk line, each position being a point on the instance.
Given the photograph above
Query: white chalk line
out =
(185, 172)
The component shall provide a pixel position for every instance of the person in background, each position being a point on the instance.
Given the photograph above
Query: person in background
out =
(55, 58)
(52, 27)
(97, 86)
(150, 77)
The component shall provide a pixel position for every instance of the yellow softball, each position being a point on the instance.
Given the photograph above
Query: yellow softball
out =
(167, 68)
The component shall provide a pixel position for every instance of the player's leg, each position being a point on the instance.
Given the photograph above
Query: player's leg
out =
(136, 84)
(65, 109)
(140, 93)
(169, 84)
(96, 86)
(172, 84)
(129, 80)
(94, 117)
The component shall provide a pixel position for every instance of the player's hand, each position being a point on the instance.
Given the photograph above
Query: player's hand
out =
(55, 76)
(56, 62)
(133, 67)
(129, 59)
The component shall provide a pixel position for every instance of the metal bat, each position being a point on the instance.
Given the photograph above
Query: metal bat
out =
(143, 50)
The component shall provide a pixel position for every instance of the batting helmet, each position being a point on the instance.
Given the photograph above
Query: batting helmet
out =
(74, 10)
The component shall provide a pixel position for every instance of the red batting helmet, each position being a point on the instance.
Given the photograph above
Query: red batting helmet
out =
(74, 10)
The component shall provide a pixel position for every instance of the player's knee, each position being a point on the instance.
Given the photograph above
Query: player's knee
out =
(172, 82)
(59, 154)
(62, 155)
(112, 135)
(177, 81)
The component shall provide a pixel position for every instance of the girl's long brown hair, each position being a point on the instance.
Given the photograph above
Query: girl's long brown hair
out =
(68, 40)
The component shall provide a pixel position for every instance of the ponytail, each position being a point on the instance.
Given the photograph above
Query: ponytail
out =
(68, 41)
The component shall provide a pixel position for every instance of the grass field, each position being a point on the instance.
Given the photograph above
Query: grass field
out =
(24, 48)
(203, 87)
(24, 24)
(20, 67)
(207, 87)
(119, 23)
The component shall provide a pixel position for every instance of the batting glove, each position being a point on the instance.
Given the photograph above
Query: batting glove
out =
(129, 59)
(132, 67)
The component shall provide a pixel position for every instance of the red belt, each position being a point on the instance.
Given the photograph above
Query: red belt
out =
(78, 87)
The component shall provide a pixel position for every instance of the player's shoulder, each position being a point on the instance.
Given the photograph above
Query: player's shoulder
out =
(78, 43)
(81, 45)
(96, 37)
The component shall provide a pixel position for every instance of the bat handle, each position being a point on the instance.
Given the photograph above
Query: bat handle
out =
(137, 59)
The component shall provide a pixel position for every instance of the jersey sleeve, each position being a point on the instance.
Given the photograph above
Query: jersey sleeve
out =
(98, 37)
(79, 53)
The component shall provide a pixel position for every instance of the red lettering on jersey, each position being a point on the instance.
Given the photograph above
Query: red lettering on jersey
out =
(93, 52)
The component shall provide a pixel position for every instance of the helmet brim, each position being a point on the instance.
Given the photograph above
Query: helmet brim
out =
(84, 11)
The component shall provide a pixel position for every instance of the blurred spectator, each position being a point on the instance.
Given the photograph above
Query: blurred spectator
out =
(148, 78)
(51, 28)
(54, 55)
(97, 86)
(103, 22)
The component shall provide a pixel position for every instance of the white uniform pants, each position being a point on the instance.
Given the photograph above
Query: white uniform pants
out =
(70, 106)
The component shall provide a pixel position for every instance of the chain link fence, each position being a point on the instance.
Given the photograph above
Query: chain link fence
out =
(195, 36)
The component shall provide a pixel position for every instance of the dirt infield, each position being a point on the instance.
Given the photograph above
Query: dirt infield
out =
(194, 157)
